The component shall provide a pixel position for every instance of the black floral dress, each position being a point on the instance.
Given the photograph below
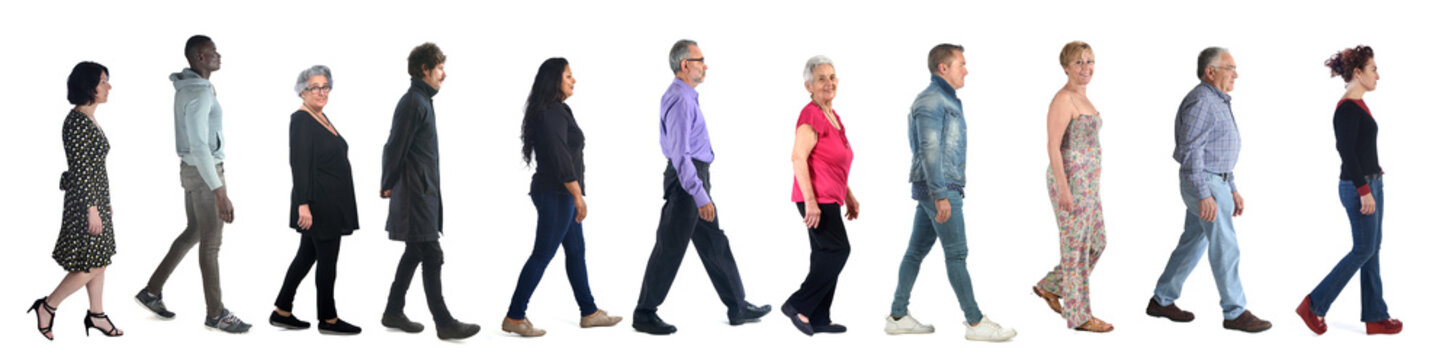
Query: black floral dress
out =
(86, 185)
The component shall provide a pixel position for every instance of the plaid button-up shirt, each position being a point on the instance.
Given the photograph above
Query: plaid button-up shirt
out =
(1206, 137)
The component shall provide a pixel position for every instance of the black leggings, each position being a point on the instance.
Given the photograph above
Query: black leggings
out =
(323, 251)
(829, 256)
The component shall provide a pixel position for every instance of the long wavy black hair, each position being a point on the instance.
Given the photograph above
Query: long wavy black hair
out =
(544, 94)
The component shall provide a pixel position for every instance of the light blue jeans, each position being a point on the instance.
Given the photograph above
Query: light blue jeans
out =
(926, 231)
(1218, 237)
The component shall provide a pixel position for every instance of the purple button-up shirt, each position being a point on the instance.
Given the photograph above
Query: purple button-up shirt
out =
(683, 137)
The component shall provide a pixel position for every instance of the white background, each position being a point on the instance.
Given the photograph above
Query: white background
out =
(1293, 231)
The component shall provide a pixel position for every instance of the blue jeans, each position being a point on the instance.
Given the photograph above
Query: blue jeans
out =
(556, 226)
(955, 249)
(1365, 256)
(1218, 237)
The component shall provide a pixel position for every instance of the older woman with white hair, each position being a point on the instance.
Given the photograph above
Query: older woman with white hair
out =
(323, 205)
(821, 158)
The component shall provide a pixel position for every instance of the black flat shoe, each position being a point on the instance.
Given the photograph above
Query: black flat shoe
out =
(401, 322)
(651, 324)
(113, 332)
(791, 313)
(829, 328)
(37, 307)
(289, 322)
(339, 327)
(749, 313)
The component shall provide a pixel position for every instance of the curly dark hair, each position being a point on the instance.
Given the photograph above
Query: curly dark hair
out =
(545, 94)
(1345, 63)
(426, 56)
(81, 85)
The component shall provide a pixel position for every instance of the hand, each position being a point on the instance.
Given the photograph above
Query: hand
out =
(1207, 209)
(1239, 203)
(1368, 204)
(1065, 199)
(853, 208)
(944, 211)
(385, 193)
(708, 211)
(93, 221)
(580, 209)
(813, 215)
(224, 205)
(304, 217)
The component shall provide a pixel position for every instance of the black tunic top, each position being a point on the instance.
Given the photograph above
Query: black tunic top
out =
(411, 168)
(322, 177)
(559, 150)
(1356, 143)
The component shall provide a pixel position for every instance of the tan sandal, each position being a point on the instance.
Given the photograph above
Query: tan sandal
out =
(1096, 325)
(1050, 298)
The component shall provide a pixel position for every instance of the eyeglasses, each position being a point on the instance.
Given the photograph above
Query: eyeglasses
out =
(319, 89)
(700, 59)
(1226, 68)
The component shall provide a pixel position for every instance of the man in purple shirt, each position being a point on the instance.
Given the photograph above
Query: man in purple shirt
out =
(688, 214)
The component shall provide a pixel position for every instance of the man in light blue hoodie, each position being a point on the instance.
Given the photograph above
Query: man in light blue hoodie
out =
(199, 145)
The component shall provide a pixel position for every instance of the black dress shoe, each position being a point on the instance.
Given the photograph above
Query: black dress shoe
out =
(750, 313)
(651, 324)
(338, 328)
(455, 329)
(401, 322)
(289, 322)
(829, 328)
(791, 313)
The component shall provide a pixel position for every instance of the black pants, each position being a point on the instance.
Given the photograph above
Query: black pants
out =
(829, 256)
(324, 252)
(432, 256)
(681, 224)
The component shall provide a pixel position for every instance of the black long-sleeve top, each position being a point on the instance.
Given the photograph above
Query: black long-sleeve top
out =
(559, 150)
(411, 168)
(322, 177)
(1356, 143)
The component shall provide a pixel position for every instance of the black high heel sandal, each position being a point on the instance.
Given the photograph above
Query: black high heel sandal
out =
(114, 332)
(39, 305)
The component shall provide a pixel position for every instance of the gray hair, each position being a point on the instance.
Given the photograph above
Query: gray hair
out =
(1208, 57)
(812, 64)
(302, 78)
(679, 52)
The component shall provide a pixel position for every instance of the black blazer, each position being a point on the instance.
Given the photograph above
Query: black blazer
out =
(322, 177)
(411, 168)
(559, 150)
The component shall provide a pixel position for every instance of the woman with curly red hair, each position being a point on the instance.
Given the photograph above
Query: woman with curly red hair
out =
(1361, 195)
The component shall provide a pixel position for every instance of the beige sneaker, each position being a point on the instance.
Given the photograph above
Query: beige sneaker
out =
(599, 318)
(524, 328)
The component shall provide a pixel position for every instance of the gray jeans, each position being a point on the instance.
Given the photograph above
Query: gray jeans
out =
(203, 226)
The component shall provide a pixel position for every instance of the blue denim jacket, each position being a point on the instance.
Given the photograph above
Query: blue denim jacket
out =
(937, 134)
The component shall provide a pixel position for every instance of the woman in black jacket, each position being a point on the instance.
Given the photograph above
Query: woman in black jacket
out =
(551, 135)
(323, 205)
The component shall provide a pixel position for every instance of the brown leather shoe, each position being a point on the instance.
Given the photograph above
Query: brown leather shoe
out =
(1050, 298)
(1171, 312)
(1247, 323)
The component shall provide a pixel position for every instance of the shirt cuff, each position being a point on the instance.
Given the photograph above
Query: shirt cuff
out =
(1364, 189)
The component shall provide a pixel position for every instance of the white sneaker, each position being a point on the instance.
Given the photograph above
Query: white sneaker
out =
(987, 330)
(906, 325)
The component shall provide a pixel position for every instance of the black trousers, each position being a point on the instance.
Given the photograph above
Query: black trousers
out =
(829, 256)
(324, 252)
(681, 224)
(432, 257)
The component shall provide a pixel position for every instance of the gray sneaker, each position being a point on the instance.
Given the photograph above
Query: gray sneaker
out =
(153, 303)
(228, 322)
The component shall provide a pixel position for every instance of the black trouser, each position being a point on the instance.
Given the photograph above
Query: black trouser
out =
(829, 256)
(432, 256)
(310, 249)
(680, 224)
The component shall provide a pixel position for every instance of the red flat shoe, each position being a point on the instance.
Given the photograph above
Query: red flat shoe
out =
(1317, 325)
(1388, 327)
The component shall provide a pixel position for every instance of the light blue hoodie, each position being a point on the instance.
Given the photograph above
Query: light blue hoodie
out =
(198, 125)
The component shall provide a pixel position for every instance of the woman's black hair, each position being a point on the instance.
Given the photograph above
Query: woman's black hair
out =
(81, 86)
(545, 93)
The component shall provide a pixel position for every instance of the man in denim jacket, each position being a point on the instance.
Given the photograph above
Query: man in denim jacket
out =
(937, 136)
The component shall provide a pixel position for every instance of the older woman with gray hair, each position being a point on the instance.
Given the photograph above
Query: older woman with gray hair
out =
(323, 205)
(821, 158)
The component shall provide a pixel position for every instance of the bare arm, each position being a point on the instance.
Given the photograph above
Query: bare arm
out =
(1060, 114)
(806, 139)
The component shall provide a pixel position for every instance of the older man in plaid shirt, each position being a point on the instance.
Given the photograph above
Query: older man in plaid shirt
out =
(1207, 143)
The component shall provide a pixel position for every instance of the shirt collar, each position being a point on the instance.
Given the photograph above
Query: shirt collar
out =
(944, 86)
(1216, 91)
(428, 90)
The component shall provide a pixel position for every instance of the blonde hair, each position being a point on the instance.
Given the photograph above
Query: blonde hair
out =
(1071, 52)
